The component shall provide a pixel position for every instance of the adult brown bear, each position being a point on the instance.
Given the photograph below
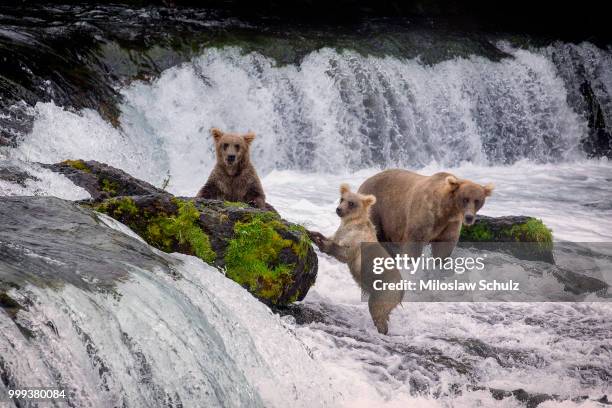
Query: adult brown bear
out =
(417, 210)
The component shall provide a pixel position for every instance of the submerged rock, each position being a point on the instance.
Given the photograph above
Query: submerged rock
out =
(272, 258)
(523, 237)
(14, 175)
(39, 231)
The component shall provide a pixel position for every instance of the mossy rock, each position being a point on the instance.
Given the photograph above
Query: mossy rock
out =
(524, 237)
(101, 180)
(271, 258)
(267, 255)
(167, 223)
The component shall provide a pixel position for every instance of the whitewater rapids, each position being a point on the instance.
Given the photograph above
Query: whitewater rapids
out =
(340, 117)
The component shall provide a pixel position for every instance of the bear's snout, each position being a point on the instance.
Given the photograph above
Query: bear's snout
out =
(339, 211)
(469, 219)
(231, 158)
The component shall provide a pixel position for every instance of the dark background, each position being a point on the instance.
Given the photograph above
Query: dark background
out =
(573, 21)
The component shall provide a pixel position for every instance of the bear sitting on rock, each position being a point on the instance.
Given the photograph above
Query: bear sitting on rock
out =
(234, 178)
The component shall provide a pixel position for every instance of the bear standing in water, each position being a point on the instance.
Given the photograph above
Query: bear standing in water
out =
(355, 229)
(417, 210)
(234, 178)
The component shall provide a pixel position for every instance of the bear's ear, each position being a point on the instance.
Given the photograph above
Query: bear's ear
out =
(368, 200)
(488, 189)
(249, 137)
(344, 188)
(452, 182)
(216, 134)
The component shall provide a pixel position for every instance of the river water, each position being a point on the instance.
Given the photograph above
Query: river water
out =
(338, 116)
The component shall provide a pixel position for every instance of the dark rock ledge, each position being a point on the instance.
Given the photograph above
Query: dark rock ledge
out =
(272, 258)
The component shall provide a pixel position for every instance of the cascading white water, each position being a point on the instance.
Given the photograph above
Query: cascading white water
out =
(335, 112)
(199, 340)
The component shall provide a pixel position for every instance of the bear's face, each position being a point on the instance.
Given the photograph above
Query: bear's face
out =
(469, 197)
(353, 205)
(232, 148)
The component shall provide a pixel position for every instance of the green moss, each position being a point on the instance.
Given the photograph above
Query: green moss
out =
(118, 208)
(533, 230)
(476, 233)
(235, 204)
(180, 232)
(302, 247)
(77, 164)
(269, 217)
(109, 186)
(252, 258)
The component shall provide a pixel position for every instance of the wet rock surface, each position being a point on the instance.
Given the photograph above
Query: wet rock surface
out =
(15, 175)
(270, 257)
(92, 255)
(101, 180)
(521, 236)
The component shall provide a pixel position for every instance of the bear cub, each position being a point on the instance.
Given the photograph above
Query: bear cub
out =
(345, 245)
(233, 178)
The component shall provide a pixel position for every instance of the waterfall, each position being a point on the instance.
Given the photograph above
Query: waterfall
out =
(336, 111)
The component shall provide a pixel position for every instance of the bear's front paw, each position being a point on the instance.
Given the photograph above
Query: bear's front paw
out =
(318, 238)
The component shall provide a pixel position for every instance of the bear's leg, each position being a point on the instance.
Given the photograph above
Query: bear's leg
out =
(375, 218)
(444, 244)
(442, 249)
(255, 196)
(379, 315)
(328, 246)
(260, 202)
(209, 191)
(381, 304)
(412, 248)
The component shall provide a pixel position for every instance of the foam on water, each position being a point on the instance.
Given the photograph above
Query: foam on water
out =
(221, 346)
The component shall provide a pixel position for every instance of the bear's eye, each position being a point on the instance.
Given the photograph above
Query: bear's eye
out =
(225, 146)
(466, 201)
(351, 204)
(237, 147)
(477, 203)
(341, 199)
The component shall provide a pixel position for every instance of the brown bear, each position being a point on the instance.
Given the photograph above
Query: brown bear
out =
(417, 210)
(234, 178)
(355, 229)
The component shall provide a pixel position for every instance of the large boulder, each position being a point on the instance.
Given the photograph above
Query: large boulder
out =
(521, 236)
(270, 257)
(101, 180)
